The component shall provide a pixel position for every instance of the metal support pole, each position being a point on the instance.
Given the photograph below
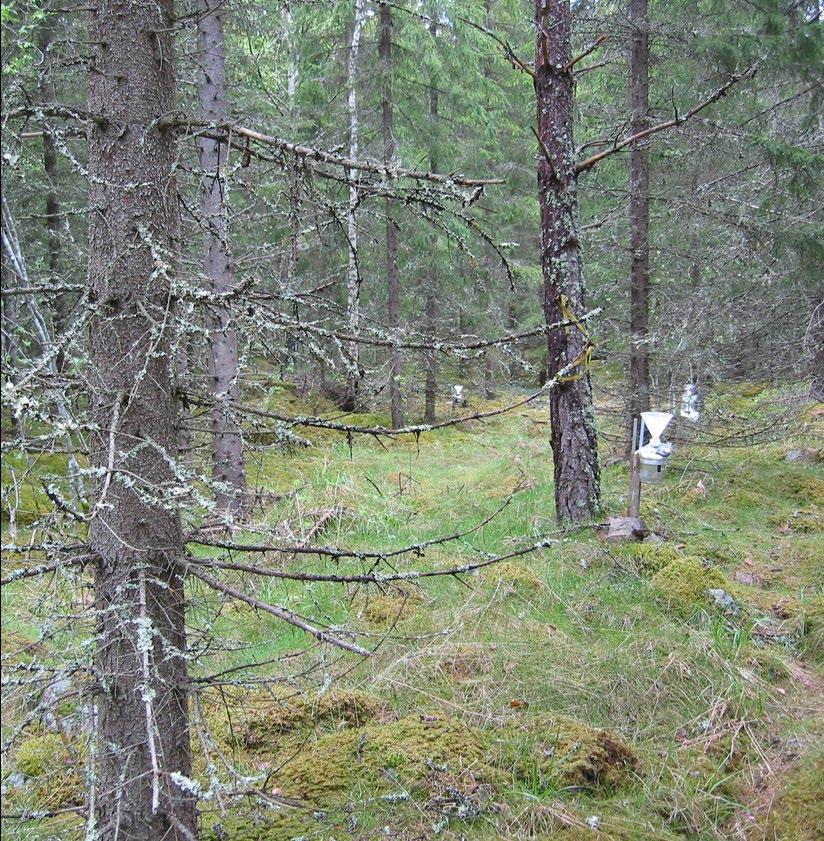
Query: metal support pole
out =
(634, 506)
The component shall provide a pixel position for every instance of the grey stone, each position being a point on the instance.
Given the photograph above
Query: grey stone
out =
(626, 528)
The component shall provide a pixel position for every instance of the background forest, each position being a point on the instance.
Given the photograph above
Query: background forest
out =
(266, 575)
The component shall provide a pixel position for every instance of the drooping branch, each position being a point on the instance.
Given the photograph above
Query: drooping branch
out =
(275, 610)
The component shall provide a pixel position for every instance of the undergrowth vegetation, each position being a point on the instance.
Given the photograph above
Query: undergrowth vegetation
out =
(657, 690)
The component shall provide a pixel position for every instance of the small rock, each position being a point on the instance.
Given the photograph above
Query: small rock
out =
(805, 455)
(745, 576)
(652, 537)
(593, 821)
(626, 528)
(725, 601)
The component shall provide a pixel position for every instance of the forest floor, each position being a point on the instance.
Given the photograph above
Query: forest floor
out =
(584, 691)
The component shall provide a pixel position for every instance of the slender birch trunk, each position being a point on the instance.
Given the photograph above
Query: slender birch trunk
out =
(353, 279)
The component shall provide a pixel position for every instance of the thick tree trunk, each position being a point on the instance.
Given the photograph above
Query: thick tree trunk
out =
(392, 275)
(430, 312)
(573, 436)
(227, 443)
(639, 383)
(354, 280)
(135, 534)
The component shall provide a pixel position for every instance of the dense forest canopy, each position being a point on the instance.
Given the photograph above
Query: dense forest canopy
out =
(234, 232)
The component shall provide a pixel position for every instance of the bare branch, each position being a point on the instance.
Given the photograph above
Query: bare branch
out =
(678, 120)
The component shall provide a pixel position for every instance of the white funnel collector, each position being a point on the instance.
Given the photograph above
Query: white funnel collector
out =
(656, 423)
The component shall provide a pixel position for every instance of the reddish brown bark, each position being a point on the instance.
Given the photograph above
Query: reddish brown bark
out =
(573, 435)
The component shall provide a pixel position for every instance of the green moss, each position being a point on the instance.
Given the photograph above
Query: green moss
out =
(682, 584)
(748, 389)
(803, 487)
(648, 558)
(45, 759)
(377, 755)
(549, 751)
(289, 824)
(40, 754)
(798, 810)
(513, 577)
(260, 721)
(814, 628)
(385, 609)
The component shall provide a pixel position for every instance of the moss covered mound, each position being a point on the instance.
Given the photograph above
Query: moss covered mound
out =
(261, 721)
(388, 608)
(798, 811)
(814, 628)
(513, 577)
(381, 756)
(46, 760)
(683, 583)
(647, 558)
(462, 662)
(550, 752)
(38, 755)
(288, 824)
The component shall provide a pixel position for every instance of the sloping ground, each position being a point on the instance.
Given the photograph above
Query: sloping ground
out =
(586, 691)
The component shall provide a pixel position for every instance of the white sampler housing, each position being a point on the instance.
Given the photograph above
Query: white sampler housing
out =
(653, 456)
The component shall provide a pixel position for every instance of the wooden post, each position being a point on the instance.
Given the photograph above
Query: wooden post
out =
(634, 506)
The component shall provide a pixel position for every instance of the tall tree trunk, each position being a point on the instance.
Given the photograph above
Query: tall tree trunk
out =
(573, 436)
(489, 377)
(639, 382)
(512, 325)
(816, 333)
(354, 280)
(135, 534)
(292, 72)
(47, 93)
(392, 275)
(430, 311)
(227, 443)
